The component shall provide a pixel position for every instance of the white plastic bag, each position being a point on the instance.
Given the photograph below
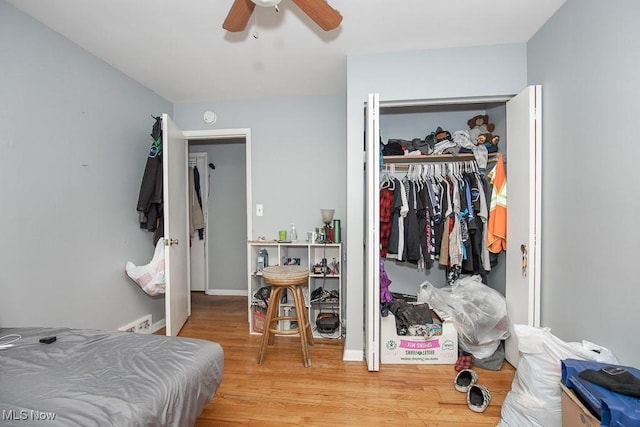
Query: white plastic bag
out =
(478, 312)
(535, 396)
(149, 277)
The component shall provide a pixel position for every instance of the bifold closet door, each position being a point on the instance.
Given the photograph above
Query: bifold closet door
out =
(522, 289)
(372, 236)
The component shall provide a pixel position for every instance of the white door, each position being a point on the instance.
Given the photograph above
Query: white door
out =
(198, 249)
(522, 289)
(372, 236)
(176, 224)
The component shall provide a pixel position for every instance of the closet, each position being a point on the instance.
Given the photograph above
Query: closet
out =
(517, 120)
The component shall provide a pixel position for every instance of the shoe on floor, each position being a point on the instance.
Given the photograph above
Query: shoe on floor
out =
(478, 398)
(465, 379)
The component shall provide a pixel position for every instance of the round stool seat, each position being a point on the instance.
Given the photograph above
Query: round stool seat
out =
(285, 274)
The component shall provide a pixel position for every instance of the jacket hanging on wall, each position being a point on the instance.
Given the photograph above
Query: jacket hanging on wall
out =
(150, 202)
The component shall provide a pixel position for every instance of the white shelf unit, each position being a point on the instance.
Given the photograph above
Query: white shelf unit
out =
(309, 255)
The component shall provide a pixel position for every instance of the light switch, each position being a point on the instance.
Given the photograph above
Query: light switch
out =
(259, 210)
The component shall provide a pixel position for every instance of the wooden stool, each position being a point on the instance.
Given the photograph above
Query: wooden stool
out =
(281, 278)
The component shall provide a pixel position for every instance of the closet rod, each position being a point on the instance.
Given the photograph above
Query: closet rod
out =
(399, 167)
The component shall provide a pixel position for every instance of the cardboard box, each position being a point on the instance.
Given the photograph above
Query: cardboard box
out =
(574, 413)
(404, 349)
(259, 314)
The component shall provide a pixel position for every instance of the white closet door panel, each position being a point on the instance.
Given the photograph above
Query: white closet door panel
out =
(176, 225)
(523, 213)
(372, 236)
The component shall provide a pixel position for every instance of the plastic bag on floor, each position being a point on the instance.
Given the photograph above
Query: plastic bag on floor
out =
(478, 312)
(150, 277)
(535, 396)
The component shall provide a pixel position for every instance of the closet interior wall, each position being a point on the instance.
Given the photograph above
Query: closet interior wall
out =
(408, 122)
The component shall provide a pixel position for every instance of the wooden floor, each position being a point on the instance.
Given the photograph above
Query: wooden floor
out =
(282, 392)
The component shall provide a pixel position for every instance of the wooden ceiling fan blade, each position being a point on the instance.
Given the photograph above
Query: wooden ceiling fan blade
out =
(239, 15)
(321, 13)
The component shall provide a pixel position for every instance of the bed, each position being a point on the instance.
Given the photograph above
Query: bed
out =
(104, 378)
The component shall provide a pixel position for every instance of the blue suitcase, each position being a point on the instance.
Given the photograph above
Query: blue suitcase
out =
(613, 409)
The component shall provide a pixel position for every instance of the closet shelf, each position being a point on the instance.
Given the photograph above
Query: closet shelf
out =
(433, 158)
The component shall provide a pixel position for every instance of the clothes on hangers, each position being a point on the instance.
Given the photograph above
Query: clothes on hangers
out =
(436, 213)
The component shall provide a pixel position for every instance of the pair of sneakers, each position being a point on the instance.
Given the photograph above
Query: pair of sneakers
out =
(478, 396)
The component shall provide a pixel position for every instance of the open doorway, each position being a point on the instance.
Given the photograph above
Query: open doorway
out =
(226, 198)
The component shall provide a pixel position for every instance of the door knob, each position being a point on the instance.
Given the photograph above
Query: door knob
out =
(170, 242)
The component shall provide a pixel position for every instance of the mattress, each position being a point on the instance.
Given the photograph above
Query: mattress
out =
(104, 378)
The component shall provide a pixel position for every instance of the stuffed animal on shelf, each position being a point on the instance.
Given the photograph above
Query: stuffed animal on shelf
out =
(481, 130)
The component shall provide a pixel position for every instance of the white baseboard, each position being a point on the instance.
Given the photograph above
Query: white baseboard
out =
(228, 292)
(353, 356)
(156, 326)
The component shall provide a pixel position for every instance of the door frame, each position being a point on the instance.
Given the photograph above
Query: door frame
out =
(239, 133)
(371, 327)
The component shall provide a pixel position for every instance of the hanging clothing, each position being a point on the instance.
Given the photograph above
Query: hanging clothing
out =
(437, 214)
(413, 231)
(149, 207)
(150, 198)
(196, 217)
(196, 182)
(497, 229)
(386, 216)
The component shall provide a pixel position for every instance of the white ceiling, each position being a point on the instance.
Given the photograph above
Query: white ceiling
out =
(178, 48)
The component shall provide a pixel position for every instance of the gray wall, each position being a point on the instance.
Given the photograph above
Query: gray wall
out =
(227, 225)
(586, 58)
(74, 136)
(298, 156)
(431, 74)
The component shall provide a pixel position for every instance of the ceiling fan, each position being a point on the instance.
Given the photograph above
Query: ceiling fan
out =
(318, 10)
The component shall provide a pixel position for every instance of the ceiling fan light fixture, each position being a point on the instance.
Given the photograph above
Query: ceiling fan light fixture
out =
(266, 3)
(319, 11)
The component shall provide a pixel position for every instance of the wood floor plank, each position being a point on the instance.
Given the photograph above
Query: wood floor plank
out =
(282, 392)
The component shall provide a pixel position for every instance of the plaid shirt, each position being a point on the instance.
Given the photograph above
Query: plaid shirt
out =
(386, 214)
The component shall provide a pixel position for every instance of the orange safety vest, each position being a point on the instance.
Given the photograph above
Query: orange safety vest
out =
(497, 229)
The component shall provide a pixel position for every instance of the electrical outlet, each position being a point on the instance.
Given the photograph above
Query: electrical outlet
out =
(140, 326)
(259, 210)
